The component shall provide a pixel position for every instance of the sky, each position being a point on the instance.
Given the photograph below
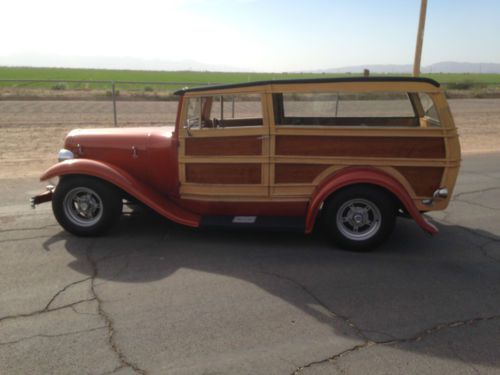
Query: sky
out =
(253, 35)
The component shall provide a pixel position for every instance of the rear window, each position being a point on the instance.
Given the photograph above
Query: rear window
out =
(344, 108)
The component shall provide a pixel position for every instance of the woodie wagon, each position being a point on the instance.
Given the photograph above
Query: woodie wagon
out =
(350, 154)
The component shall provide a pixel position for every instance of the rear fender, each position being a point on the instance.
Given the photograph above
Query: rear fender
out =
(127, 183)
(363, 175)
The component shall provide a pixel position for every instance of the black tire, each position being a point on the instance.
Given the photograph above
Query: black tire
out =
(369, 209)
(102, 201)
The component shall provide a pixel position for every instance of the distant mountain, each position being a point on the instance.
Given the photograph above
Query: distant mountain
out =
(34, 59)
(461, 67)
(95, 62)
(441, 67)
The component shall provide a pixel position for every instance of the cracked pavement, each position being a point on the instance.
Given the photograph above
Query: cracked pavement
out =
(157, 298)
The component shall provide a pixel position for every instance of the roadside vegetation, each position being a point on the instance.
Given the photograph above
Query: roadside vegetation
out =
(158, 84)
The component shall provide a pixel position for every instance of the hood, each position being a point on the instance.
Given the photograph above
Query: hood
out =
(114, 138)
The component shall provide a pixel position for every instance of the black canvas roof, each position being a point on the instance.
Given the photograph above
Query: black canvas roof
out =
(308, 80)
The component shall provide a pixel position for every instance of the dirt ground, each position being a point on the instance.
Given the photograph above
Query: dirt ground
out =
(33, 131)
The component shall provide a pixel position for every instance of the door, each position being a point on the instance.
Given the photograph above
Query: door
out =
(224, 148)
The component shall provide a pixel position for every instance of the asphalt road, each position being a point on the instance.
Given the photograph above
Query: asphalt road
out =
(154, 297)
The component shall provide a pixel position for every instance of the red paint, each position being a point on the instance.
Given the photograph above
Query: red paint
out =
(213, 208)
(148, 154)
(126, 182)
(363, 175)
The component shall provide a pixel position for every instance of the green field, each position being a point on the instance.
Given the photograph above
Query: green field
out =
(457, 81)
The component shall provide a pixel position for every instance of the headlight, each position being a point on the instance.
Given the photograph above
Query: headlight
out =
(65, 155)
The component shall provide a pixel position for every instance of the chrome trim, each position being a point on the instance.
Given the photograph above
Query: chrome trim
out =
(441, 193)
(65, 155)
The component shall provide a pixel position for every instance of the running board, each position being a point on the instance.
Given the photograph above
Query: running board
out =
(258, 222)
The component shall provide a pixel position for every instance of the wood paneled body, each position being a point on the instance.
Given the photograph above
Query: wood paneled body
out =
(361, 146)
(218, 173)
(268, 168)
(223, 146)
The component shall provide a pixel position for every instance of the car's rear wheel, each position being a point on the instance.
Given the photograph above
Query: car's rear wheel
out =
(86, 206)
(360, 218)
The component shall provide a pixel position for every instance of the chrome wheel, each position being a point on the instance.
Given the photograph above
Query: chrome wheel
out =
(83, 206)
(358, 219)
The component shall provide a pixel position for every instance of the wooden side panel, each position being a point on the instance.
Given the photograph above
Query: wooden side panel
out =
(424, 180)
(219, 173)
(390, 147)
(297, 173)
(223, 146)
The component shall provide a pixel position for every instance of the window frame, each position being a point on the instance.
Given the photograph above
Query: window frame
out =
(280, 118)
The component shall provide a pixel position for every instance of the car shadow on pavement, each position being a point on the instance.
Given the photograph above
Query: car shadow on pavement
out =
(437, 296)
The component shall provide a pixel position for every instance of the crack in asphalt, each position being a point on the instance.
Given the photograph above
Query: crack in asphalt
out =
(82, 313)
(457, 197)
(482, 247)
(418, 337)
(51, 336)
(117, 368)
(123, 360)
(43, 311)
(29, 228)
(109, 324)
(334, 357)
(476, 204)
(63, 290)
(345, 319)
(47, 308)
(23, 239)
(475, 192)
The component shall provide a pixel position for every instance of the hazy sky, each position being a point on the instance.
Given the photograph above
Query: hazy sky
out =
(260, 35)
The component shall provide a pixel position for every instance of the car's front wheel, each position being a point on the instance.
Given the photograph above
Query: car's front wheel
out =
(360, 218)
(86, 206)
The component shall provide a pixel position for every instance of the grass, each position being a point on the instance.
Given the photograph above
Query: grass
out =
(454, 81)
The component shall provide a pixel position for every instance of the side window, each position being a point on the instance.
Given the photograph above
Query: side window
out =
(221, 111)
(430, 111)
(344, 109)
(376, 104)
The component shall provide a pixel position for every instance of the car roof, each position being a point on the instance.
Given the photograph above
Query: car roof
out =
(308, 80)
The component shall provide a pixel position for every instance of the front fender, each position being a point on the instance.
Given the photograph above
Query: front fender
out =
(127, 183)
(363, 175)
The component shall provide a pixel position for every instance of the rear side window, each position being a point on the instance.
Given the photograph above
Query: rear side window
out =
(344, 109)
(430, 111)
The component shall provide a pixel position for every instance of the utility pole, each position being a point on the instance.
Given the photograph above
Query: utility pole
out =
(420, 39)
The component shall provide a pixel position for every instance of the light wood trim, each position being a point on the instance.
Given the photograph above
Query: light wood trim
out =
(212, 198)
(217, 190)
(182, 172)
(364, 161)
(240, 131)
(348, 131)
(453, 151)
(303, 191)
